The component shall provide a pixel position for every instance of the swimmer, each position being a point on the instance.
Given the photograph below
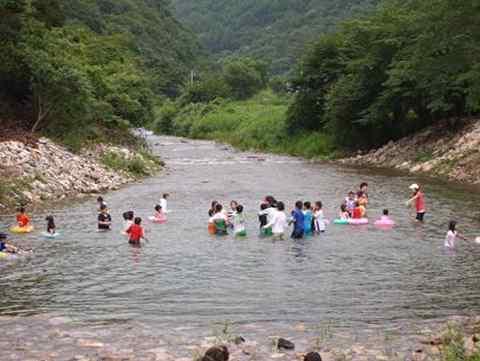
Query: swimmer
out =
(159, 214)
(104, 219)
(307, 218)
(419, 198)
(211, 211)
(232, 211)
(279, 223)
(51, 228)
(239, 222)
(319, 224)
(6, 247)
(136, 232)
(164, 202)
(344, 213)
(385, 219)
(452, 235)
(359, 211)
(298, 220)
(22, 218)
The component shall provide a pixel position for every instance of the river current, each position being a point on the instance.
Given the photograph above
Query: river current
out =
(184, 280)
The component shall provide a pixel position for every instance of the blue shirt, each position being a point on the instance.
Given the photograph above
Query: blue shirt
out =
(308, 217)
(2, 246)
(299, 219)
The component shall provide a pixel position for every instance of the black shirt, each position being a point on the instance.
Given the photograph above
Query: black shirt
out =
(104, 217)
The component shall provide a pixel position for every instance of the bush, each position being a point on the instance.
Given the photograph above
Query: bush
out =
(136, 166)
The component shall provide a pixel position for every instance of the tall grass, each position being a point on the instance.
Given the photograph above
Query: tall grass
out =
(254, 124)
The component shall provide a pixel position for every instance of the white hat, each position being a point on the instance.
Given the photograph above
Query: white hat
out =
(414, 187)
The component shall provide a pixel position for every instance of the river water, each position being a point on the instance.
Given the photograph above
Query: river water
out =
(184, 281)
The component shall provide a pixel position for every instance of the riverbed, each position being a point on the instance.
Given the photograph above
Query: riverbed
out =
(357, 283)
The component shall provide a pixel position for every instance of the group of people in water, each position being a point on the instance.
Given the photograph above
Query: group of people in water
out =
(306, 219)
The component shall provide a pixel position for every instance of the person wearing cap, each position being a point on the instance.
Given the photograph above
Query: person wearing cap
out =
(4, 246)
(419, 198)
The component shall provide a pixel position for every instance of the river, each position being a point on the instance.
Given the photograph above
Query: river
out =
(185, 284)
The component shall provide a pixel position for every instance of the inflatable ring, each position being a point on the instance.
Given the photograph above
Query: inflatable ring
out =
(340, 221)
(384, 223)
(158, 220)
(18, 229)
(358, 221)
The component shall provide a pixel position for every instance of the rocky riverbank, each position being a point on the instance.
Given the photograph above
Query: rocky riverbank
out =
(37, 171)
(447, 150)
(43, 337)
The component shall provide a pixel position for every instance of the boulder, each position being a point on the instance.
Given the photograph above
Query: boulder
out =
(216, 353)
(285, 344)
(312, 356)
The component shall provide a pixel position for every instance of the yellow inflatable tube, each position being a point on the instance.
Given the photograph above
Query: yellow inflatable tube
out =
(18, 229)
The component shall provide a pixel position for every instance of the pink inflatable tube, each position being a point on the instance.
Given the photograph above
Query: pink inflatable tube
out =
(384, 222)
(358, 221)
(158, 220)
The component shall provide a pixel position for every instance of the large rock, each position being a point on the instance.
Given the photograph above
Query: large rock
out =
(216, 353)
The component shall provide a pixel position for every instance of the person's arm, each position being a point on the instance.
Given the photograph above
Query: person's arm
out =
(272, 222)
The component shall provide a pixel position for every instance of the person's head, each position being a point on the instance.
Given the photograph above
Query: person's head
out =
(21, 210)
(125, 216)
(49, 219)
(239, 208)
(452, 225)
(130, 215)
(218, 208)
(233, 205)
(299, 204)
(281, 206)
(138, 220)
(166, 195)
(100, 199)
(264, 206)
(415, 188)
(364, 187)
(270, 200)
(351, 195)
(343, 207)
(385, 212)
(318, 205)
(158, 208)
(103, 208)
(312, 356)
(214, 204)
(307, 205)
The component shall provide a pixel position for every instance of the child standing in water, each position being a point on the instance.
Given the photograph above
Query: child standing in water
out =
(307, 218)
(164, 202)
(239, 222)
(344, 213)
(220, 220)
(136, 232)
(279, 223)
(452, 235)
(22, 218)
(319, 219)
(299, 221)
(263, 218)
(104, 219)
(419, 198)
(127, 220)
(51, 228)
(350, 203)
(101, 203)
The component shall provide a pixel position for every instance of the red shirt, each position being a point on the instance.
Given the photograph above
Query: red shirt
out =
(23, 220)
(136, 233)
(420, 203)
(357, 213)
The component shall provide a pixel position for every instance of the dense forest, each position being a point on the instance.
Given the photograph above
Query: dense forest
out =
(272, 31)
(378, 77)
(73, 67)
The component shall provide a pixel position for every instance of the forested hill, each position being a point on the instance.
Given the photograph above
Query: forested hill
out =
(168, 49)
(275, 31)
(75, 67)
